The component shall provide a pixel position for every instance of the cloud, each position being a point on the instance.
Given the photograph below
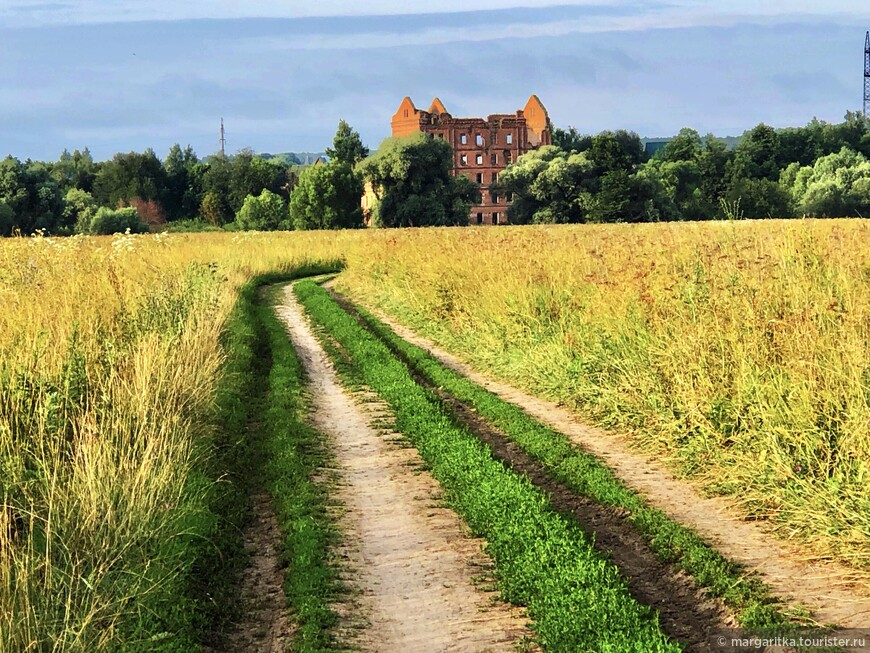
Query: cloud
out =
(38, 7)
(122, 86)
(29, 13)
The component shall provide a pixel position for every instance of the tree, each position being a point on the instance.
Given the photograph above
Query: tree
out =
(713, 165)
(263, 212)
(130, 176)
(327, 197)
(182, 196)
(32, 194)
(549, 186)
(619, 150)
(214, 210)
(76, 170)
(674, 190)
(685, 146)
(571, 140)
(759, 155)
(836, 185)
(79, 210)
(411, 179)
(232, 179)
(759, 198)
(347, 146)
(7, 219)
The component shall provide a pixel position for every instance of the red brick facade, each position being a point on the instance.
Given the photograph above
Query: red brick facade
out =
(481, 148)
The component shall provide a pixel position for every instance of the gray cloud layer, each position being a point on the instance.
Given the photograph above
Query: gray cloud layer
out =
(283, 84)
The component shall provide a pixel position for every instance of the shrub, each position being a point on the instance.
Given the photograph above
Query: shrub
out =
(265, 212)
(111, 221)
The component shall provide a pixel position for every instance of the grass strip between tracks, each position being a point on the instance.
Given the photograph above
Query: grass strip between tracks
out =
(576, 598)
(749, 599)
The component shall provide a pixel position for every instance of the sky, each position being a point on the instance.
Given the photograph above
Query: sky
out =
(119, 75)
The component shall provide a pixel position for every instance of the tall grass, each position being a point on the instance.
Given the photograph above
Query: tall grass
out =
(738, 352)
(111, 356)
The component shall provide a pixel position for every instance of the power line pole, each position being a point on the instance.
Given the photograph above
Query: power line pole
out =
(867, 75)
(223, 140)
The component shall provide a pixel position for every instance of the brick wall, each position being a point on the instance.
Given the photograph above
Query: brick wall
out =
(481, 148)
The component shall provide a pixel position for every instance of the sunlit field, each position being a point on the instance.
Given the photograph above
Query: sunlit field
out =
(738, 351)
(110, 360)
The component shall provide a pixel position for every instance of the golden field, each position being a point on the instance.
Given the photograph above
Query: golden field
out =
(738, 351)
(110, 358)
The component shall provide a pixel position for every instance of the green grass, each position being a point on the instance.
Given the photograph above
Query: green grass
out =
(747, 597)
(575, 597)
(294, 452)
(263, 444)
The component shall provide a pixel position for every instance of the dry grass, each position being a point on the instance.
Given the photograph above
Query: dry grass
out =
(110, 356)
(738, 351)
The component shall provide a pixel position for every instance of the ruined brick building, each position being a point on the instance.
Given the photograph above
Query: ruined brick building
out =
(481, 148)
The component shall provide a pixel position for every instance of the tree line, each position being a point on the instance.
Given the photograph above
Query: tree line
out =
(821, 170)
(139, 191)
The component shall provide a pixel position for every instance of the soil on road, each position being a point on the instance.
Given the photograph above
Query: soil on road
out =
(409, 561)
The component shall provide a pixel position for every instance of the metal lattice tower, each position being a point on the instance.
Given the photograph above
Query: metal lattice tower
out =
(224, 140)
(867, 75)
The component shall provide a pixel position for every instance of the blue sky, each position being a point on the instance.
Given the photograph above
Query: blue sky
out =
(117, 75)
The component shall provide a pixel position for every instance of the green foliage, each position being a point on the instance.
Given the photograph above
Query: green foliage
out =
(327, 197)
(545, 561)
(264, 212)
(549, 186)
(7, 219)
(33, 195)
(836, 185)
(79, 210)
(108, 221)
(347, 146)
(571, 140)
(183, 183)
(128, 177)
(619, 150)
(233, 179)
(685, 146)
(76, 170)
(586, 475)
(214, 210)
(759, 198)
(412, 179)
(190, 226)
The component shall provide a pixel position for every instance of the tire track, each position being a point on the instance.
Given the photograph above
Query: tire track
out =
(410, 561)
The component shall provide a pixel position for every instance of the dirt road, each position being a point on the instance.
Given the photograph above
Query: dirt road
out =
(408, 558)
(830, 590)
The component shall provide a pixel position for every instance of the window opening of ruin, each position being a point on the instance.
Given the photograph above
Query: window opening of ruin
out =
(478, 139)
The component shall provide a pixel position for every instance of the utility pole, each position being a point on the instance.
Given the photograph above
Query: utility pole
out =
(223, 140)
(867, 75)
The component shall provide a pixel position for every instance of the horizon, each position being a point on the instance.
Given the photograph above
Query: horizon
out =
(79, 74)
